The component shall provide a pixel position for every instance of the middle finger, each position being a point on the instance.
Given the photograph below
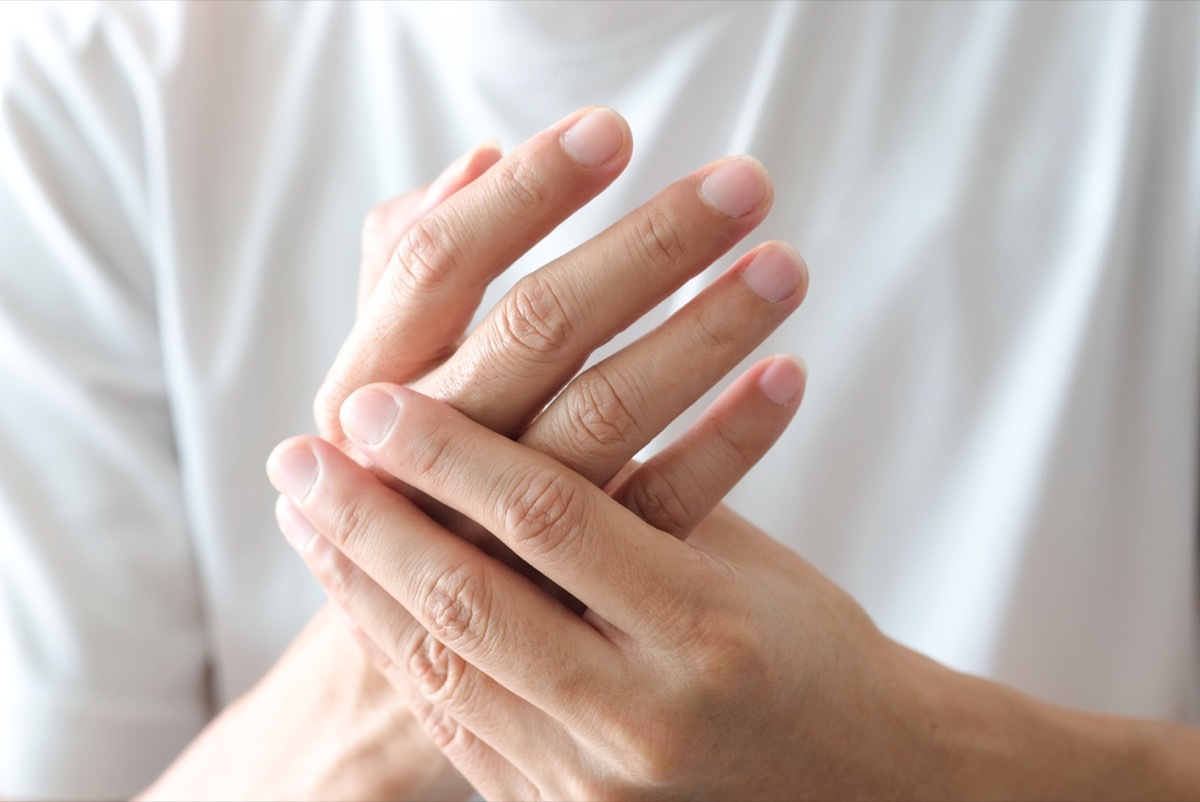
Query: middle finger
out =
(540, 333)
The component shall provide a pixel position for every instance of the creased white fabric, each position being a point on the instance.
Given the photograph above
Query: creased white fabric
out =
(997, 452)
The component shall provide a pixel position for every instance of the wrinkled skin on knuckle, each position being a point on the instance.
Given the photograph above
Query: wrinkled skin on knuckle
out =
(531, 320)
(521, 186)
(656, 237)
(457, 607)
(597, 416)
(349, 523)
(436, 670)
(711, 333)
(739, 453)
(424, 260)
(428, 449)
(658, 501)
(444, 731)
(542, 515)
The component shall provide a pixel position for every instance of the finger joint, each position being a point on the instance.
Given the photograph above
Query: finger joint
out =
(533, 318)
(542, 515)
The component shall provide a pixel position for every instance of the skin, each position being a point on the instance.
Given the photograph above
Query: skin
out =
(427, 258)
(720, 666)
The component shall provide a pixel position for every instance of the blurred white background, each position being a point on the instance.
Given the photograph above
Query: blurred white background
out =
(11, 13)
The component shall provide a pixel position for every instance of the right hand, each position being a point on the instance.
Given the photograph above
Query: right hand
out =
(427, 259)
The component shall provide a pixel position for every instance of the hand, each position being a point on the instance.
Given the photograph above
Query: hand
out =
(503, 372)
(724, 666)
(604, 417)
(397, 338)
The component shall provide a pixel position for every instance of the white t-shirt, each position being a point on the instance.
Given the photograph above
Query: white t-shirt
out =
(999, 204)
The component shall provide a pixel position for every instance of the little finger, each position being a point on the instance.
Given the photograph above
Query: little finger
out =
(678, 487)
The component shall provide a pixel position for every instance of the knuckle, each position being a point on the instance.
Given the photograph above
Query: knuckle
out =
(739, 452)
(597, 414)
(533, 318)
(426, 452)
(655, 753)
(444, 731)
(437, 670)
(656, 498)
(456, 607)
(724, 656)
(714, 334)
(542, 516)
(349, 524)
(424, 259)
(521, 184)
(656, 236)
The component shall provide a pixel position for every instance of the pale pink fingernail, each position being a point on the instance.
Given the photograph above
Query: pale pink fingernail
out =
(783, 380)
(294, 471)
(368, 415)
(595, 138)
(736, 187)
(773, 274)
(295, 526)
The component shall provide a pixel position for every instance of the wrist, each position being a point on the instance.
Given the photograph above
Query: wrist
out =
(973, 738)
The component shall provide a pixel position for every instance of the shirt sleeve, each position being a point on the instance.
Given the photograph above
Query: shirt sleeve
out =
(102, 648)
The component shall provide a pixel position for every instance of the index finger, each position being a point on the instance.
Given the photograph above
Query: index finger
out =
(556, 520)
(445, 261)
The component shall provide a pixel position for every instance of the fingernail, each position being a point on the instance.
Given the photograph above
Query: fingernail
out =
(783, 380)
(734, 188)
(368, 415)
(295, 471)
(295, 527)
(772, 275)
(595, 138)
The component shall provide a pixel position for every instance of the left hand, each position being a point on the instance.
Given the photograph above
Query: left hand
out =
(723, 666)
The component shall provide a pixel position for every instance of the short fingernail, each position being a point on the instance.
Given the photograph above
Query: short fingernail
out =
(772, 275)
(368, 415)
(595, 138)
(295, 527)
(735, 188)
(782, 381)
(295, 471)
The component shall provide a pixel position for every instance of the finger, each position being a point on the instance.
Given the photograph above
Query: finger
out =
(478, 608)
(554, 519)
(678, 487)
(546, 326)
(468, 715)
(443, 263)
(492, 775)
(611, 411)
(388, 221)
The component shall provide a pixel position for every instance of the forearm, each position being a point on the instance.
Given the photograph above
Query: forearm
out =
(980, 740)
